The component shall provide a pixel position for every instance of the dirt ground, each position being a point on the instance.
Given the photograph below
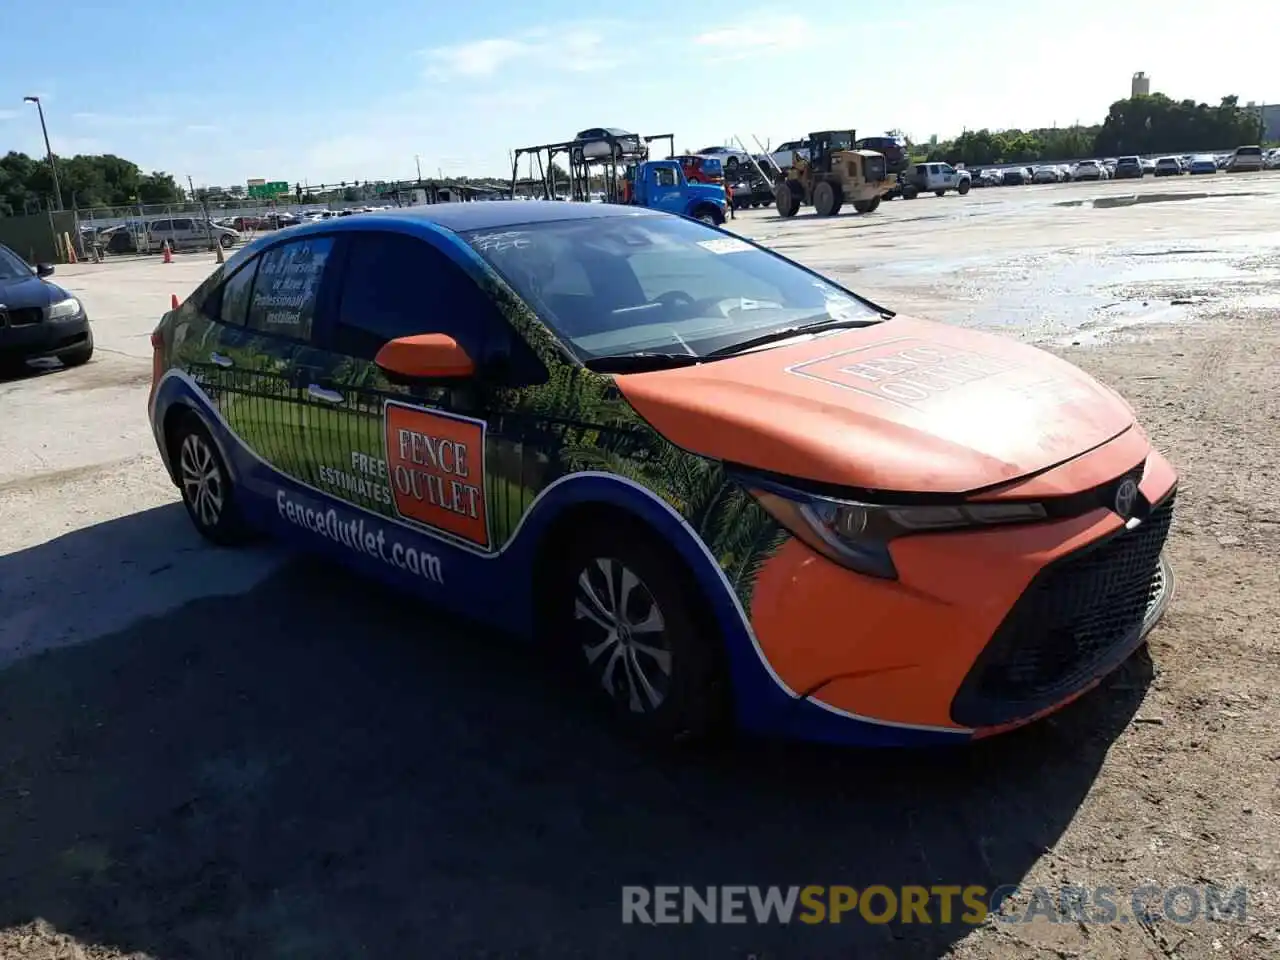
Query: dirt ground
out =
(206, 755)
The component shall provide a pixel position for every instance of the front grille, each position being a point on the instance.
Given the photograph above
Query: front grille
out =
(1080, 617)
(24, 316)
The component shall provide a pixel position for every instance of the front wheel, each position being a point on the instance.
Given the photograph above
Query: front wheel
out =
(226, 240)
(826, 201)
(630, 616)
(207, 490)
(964, 187)
(709, 215)
(786, 202)
(939, 193)
(866, 206)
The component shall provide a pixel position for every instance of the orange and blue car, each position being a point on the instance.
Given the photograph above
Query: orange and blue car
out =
(724, 490)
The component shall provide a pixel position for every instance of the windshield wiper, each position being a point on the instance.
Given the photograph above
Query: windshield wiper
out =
(785, 333)
(640, 362)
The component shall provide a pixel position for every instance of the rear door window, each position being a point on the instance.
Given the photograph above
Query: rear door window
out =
(287, 286)
(231, 305)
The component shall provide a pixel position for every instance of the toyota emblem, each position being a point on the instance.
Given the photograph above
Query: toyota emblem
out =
(1126, 497)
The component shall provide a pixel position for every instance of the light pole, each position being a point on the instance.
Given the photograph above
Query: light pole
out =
(418, 160)
(53, 166)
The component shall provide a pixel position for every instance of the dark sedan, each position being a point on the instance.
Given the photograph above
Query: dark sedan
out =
(39, 318)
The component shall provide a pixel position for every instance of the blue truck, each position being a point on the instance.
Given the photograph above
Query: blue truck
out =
(662, 185)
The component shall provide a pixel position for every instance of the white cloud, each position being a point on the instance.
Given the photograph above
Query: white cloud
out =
(756, 36)
(573, 47)
(203, 128)
(480, 58)
(120, 119)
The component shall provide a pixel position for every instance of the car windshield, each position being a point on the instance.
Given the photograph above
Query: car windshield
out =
(12, 267)
(613, 286)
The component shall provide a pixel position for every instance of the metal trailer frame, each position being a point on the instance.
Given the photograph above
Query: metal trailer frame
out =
(579, 166)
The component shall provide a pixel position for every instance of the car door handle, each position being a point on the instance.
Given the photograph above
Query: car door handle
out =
(219, 360)
(317, 392)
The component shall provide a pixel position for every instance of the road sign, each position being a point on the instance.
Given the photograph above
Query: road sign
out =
(271, 189)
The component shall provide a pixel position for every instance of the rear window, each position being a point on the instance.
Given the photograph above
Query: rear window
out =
(1249, 152)
(617, 285)
(1128, 162)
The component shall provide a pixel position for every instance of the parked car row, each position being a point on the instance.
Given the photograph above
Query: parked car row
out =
(1129, 167)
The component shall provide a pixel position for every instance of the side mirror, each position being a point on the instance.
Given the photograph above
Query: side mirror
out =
(427, 356)
(44, 269)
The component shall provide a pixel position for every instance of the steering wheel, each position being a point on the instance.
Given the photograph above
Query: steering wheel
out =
(674, 298)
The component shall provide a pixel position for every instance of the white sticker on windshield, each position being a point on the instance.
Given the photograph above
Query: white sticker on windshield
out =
(724, 245)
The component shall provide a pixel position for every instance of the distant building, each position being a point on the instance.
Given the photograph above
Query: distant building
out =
(1270, 114)
(1141, 85)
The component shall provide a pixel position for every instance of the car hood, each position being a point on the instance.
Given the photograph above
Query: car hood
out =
(30, 292)
(708, 191)
(905, 405)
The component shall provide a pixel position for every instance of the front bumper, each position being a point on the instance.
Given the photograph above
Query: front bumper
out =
(984, 630)
(42, 338)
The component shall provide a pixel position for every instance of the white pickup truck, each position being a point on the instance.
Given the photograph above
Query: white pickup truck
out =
(936, 177)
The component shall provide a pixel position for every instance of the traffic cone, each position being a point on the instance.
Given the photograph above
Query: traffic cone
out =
(173, 304)
(168, 254)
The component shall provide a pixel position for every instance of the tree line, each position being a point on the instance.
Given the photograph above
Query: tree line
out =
(26, 183)
(1139, 125)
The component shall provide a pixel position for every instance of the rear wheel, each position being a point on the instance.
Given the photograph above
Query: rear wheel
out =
(632, 623)
(207, 490)
(826, 199)
(866, 206)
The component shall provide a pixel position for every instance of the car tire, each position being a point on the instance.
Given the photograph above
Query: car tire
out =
(731, 164)
(81, 354)
(637, 635)
(964, 187)
(208, 491)
(226, 241)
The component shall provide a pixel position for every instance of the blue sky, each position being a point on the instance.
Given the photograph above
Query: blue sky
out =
(288, 90)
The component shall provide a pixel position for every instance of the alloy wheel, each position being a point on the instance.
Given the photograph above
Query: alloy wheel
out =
(623, 635)
(202, 479)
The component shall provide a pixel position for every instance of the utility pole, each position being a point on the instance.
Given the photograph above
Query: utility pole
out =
(192, 187)
(53, 166)
(418, 162)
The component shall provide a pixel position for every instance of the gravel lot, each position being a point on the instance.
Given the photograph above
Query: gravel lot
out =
(208, 755)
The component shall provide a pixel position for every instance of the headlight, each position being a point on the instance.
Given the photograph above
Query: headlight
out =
(69, 307)
(857, 535)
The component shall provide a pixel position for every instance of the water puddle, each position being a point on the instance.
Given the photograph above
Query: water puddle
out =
(1117, 317)
(1133, 199)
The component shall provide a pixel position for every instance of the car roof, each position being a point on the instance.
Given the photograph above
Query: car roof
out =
(481, 215)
